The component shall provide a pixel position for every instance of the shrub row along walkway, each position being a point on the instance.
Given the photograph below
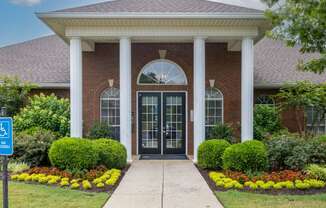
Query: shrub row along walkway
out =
(163, 184)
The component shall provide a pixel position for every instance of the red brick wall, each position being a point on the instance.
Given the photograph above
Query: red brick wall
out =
(103, 64)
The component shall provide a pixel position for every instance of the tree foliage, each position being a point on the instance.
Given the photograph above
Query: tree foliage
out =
(302, 23)
(301, 95)
(13, 94)
(47, 112)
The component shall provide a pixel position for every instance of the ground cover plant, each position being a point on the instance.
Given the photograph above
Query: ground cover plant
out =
(104, 182)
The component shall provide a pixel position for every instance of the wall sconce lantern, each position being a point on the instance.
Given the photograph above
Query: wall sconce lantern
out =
(111, 82)
(212, 83)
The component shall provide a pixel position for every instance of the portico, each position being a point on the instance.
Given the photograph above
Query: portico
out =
(199, 37)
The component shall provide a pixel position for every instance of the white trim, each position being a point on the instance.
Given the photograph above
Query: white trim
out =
(186, 118)
(157, 60)
(138, 15)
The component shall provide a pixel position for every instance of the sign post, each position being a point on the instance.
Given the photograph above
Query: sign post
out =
(6, 149)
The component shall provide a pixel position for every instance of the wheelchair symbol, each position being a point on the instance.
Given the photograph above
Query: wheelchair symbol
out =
(3, 132)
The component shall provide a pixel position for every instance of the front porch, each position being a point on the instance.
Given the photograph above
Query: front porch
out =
(111, 52)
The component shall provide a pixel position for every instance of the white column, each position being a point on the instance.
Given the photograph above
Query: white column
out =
(125, 94)
(76, 91)
(247, 89)
(199, 93)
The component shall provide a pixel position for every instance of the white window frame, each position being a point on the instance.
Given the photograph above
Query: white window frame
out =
(108, 108)
(215, 99)
(264, 103)
(162, 60)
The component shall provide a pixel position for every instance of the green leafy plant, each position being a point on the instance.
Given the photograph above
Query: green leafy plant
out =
(73, 154)
(222, 131)
(47, 112)
(210, 153)
(32, 145)
(112, 153)
(13, 94)
(316, 171)
(17, 167)
(99, 130)
(266, 121)
(291, 152)
(250, 156)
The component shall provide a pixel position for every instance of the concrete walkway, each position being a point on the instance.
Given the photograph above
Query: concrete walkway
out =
(163, 184)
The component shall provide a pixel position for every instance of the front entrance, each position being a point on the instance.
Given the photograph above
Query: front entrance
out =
(161, 122)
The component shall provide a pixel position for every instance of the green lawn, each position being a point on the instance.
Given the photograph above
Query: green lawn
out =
(235, 199)
(28, 196)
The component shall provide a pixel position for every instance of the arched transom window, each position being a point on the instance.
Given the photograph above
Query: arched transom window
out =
(110, 110)
(214, 109)
(264, 100)
(162, 72)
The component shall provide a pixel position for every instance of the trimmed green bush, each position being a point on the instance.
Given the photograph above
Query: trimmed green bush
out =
(112, 153)
(73, 154)
(210, 153)
(250, 156)
(322, 138)
(32, 145)
(47, 112)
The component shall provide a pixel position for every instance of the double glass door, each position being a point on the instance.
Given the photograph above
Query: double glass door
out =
(161, 122)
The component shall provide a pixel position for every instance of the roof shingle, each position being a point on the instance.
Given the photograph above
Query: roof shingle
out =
(161, 6)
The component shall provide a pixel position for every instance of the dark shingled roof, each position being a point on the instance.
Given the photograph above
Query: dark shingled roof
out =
(43, 60)
(276, 64)
(161, 6)
(46, 60)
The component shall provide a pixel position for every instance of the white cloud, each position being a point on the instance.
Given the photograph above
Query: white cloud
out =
(26, 2)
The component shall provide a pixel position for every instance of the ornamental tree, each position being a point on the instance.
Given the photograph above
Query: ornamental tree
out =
(301, 23)
(301, 95)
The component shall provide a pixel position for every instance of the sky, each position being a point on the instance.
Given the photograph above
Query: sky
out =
(19, 23)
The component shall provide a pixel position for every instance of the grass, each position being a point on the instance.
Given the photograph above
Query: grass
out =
(27, 196)
(235, 199)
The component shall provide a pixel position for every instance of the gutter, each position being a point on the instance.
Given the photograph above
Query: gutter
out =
(137, 15)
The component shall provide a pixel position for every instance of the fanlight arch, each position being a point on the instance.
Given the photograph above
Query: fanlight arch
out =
(162, 72)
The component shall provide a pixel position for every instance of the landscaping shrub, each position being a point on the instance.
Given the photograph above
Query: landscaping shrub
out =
(316, 171)
(290, 152)
(112, 153)
(266, 121)
(73, 154)
(32, 145)
(279, 148)
(99, 130)
(221, 131)
(47, 112)
(210, 153)
(322, 138)
(250, 156)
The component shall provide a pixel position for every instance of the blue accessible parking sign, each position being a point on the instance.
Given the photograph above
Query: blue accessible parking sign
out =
(6, 140)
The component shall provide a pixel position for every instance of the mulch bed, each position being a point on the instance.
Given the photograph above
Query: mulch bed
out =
(106, 188)
(283, 191)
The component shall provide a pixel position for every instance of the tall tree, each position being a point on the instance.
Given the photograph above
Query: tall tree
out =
(303, 23)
